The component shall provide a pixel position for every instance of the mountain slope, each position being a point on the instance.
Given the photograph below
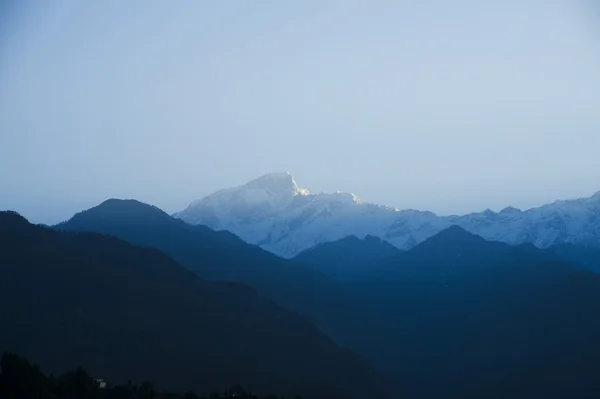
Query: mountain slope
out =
(571, 221)
(456, 316)
(221, 256)
(128, 312)
(273, 212)
(455, 252)
(473, 318)
(586, 257)
(346, 257)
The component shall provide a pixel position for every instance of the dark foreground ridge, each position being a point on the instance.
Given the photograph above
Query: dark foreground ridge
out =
(19, 379)
(125, 312)
(222, 256)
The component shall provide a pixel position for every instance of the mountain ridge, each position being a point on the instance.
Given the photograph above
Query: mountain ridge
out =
(287, 225)
(223, 256)
(480, 318)
(449, 301)
(126, 312)
(349, 255)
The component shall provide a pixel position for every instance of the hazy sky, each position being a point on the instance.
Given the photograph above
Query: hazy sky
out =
(451, 106)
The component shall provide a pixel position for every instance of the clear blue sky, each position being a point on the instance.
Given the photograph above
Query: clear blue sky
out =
(451, 106)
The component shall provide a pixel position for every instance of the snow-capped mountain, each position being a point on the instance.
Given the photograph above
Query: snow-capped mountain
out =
(276, 214)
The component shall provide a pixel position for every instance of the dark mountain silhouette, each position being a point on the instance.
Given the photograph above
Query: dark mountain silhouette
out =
(457, 256)
(456, 316)
(125, 312)
(452, 241)
(347, 257)
(222, 256)
(471, 318)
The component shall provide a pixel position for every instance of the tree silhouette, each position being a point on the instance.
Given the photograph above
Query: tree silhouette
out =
(21, 380)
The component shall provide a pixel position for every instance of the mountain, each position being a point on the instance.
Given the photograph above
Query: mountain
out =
(571, 221)
(459, 316)
(346, 257)
(472, 318)
(125, 312)
(456, 316)
(455, 261)
(276, 214)
(222, 256)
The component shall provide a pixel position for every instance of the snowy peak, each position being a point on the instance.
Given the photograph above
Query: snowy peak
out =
(341, 198)
(510, 210)
(250, 203)
(277, 183)
(277, 215)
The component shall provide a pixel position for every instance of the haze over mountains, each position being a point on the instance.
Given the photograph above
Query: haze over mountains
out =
(279, 216)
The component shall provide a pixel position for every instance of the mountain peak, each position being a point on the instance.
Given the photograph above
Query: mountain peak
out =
(453, 234)
(124, 210)
(372, 238)
(272, 212)
(456, 230)
(12, 218)
(278, 182)
(510, 209)
(126, 205)
(119, 202)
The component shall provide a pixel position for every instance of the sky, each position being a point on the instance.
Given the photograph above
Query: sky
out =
(447, 106)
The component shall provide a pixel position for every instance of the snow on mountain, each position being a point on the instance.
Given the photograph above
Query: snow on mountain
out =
(572, 221)
(277, 215)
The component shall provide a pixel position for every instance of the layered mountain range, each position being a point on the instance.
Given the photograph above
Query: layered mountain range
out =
(130, 313)
(455, 316)
(222, 256)
(274, 213)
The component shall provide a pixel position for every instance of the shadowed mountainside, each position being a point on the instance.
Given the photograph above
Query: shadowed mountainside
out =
(458, 316)
(222, 256)
(347, 257)
(455, 316)
(127, 312)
